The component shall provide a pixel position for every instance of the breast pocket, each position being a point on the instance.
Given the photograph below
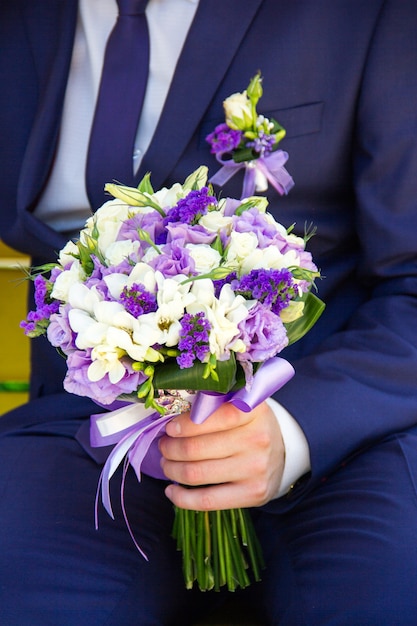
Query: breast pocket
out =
(304, 119)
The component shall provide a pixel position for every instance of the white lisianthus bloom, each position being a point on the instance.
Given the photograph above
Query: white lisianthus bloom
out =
(238, 111)
(168, 197)
(108, 221)
(295, 240)
(214, 221)
(66, 255)
(205, 257)
(141, 273)
(269, 258)
(75, 275)
(224, 314)
(118, 251)
(259, 202)
(292, 312)
(150, 254)
(240, 247)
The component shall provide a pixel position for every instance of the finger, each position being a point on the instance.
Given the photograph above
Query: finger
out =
(225, 418)
(219, 497)
(202, 447)
(206, 472)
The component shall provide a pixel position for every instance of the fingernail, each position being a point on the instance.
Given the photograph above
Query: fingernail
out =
(173, 428)
(168, 492)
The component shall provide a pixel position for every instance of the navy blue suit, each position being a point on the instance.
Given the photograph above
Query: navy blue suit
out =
(341, 77)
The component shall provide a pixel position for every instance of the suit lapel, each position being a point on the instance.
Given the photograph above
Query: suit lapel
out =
(216, 32)
(53, 46)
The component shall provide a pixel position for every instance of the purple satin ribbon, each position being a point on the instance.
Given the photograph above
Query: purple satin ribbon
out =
(134, 442)
(271, 166)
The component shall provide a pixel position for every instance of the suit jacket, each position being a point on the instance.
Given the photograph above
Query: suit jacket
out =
(341, 77)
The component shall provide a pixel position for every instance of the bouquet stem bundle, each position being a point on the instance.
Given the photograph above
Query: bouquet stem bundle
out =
(219, 548)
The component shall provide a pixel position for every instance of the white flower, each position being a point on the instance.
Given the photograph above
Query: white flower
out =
(66, 256)
(66, 279)
(106, 361)
(238, 111)
(118, 251)
(260, 203)
(163, 326)
(240, 247)
(83, 298)
(215, 221)
(109, 328)
(141, 274)
(107, 221)
(168, 197)
(223, 313)
(205, 257)
(269, 258)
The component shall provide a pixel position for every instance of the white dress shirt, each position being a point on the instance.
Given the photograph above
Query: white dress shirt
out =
(64, 205)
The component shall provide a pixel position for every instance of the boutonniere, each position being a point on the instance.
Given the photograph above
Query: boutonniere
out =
(248, 140)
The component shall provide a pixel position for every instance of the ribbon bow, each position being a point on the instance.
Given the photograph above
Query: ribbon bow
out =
(257, 173)
(134, 429)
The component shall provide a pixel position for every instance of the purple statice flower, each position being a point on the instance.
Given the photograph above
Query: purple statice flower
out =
(263, 144)
(272, 288)
(263, 333)
(188, 210)
(103, 391)
(224, 139)
(37, 321)
(219, 283)
(137, 300)
(194, 339)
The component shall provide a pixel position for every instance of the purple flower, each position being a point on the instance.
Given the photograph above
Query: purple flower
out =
(251, 221)
(189, 209)
(103, 391)
(175, 260)
(137, 300)
(37, 321)
(151, 223)
(273, 288)
(189, 234)
(218, 284)
(263, 333)
(263, 144)
(194, 339)
(59, 332)
(224, 139)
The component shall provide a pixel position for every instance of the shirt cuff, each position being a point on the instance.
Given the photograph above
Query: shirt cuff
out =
(297, 451)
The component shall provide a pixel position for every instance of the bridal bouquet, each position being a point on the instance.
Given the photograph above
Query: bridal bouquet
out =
(173, 300)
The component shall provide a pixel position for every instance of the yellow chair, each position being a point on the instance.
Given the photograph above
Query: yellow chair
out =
(14, 346)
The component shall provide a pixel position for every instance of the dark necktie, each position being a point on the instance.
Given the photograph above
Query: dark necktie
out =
(119, 103)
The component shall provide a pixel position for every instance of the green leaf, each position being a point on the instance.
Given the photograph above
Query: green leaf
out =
(170, 376)
(145, 184)
(313, 308)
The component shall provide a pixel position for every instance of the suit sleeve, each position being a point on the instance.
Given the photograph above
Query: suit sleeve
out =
(360, 385)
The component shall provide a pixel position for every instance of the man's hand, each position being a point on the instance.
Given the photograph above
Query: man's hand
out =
(236, 457)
